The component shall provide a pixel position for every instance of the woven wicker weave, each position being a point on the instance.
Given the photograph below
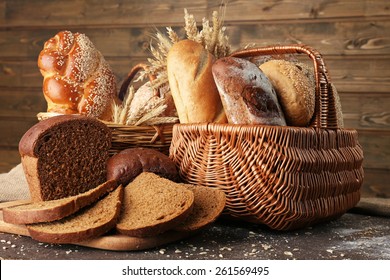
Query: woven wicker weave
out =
(130, 136)
(154, 137)
(283, 177)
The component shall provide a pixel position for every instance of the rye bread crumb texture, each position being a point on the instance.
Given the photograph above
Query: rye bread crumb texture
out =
(153, 204)
(91, 221)
(51, 210)
(208, 206)
(64, 156)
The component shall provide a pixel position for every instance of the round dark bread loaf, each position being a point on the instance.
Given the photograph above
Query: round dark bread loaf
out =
(128, 164)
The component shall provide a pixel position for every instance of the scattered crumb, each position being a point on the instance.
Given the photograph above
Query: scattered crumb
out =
(287, 253)
(266, 246)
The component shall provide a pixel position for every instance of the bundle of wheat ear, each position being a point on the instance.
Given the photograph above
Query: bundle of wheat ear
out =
(152, 103)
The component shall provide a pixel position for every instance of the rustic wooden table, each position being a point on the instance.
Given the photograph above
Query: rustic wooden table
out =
(353, 236)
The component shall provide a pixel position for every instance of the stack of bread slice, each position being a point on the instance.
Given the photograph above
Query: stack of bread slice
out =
(147, 207)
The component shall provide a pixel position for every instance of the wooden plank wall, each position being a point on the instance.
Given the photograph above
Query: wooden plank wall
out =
(352, 35)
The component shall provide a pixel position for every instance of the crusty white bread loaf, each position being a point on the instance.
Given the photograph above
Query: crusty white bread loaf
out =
(64, 156)
(192, 85)
(208, 206)
(294, 84)
(247, 95)
(89, 222)
(77, 78)
(153, 205)
(51, 210)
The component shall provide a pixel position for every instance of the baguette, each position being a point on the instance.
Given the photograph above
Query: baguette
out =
(192, 85)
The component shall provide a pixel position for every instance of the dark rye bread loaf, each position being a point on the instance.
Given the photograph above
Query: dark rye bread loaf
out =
(129, 163)
(89, 222)
(208, 206)
(65, 155)
(153, 205)
(51, 210)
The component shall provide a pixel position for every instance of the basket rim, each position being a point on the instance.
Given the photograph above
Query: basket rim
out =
(227, 126)
(325, 115)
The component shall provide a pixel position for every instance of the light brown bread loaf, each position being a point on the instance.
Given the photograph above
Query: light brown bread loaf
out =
(294, 84)
(51, 210)
(153, 205)
(91, 221)
(192, 85)
(64, 156)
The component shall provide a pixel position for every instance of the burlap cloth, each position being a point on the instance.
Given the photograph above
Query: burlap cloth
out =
(13, 186)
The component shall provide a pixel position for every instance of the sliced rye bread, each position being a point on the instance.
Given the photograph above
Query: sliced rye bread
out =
(208, 206)
(153, 205)
(89, 222)
(65, 155)
(51, 210)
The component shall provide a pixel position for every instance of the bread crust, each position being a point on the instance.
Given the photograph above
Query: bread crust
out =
(192, 85)
(47, 211)
(247, 95)
(74, 234)
(77, 79)
(294, 84)
(34, 142)
(129, 163)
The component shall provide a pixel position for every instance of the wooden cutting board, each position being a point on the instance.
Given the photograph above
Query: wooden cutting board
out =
(113, 242)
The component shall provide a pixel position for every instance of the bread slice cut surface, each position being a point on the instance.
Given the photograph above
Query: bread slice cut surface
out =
(208, 206)
(51, 210)
(152, 205)
(91, 221)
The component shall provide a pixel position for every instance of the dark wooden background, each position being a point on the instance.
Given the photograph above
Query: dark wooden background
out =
(352, 35)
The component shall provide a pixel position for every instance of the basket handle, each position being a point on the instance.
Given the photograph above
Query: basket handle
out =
(325, 111)
(130, 76)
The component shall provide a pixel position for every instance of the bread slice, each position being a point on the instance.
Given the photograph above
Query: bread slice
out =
(91, 221)
(65, 155)
(51, 210)
(208, 206)
(152, 205)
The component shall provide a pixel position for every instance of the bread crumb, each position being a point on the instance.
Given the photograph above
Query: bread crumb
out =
(162, 251)
(287, 253)
(266, 246)
(225, 248)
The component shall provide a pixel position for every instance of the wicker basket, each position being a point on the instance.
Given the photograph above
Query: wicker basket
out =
(283, 177)
(154, 137)
(157, 137)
